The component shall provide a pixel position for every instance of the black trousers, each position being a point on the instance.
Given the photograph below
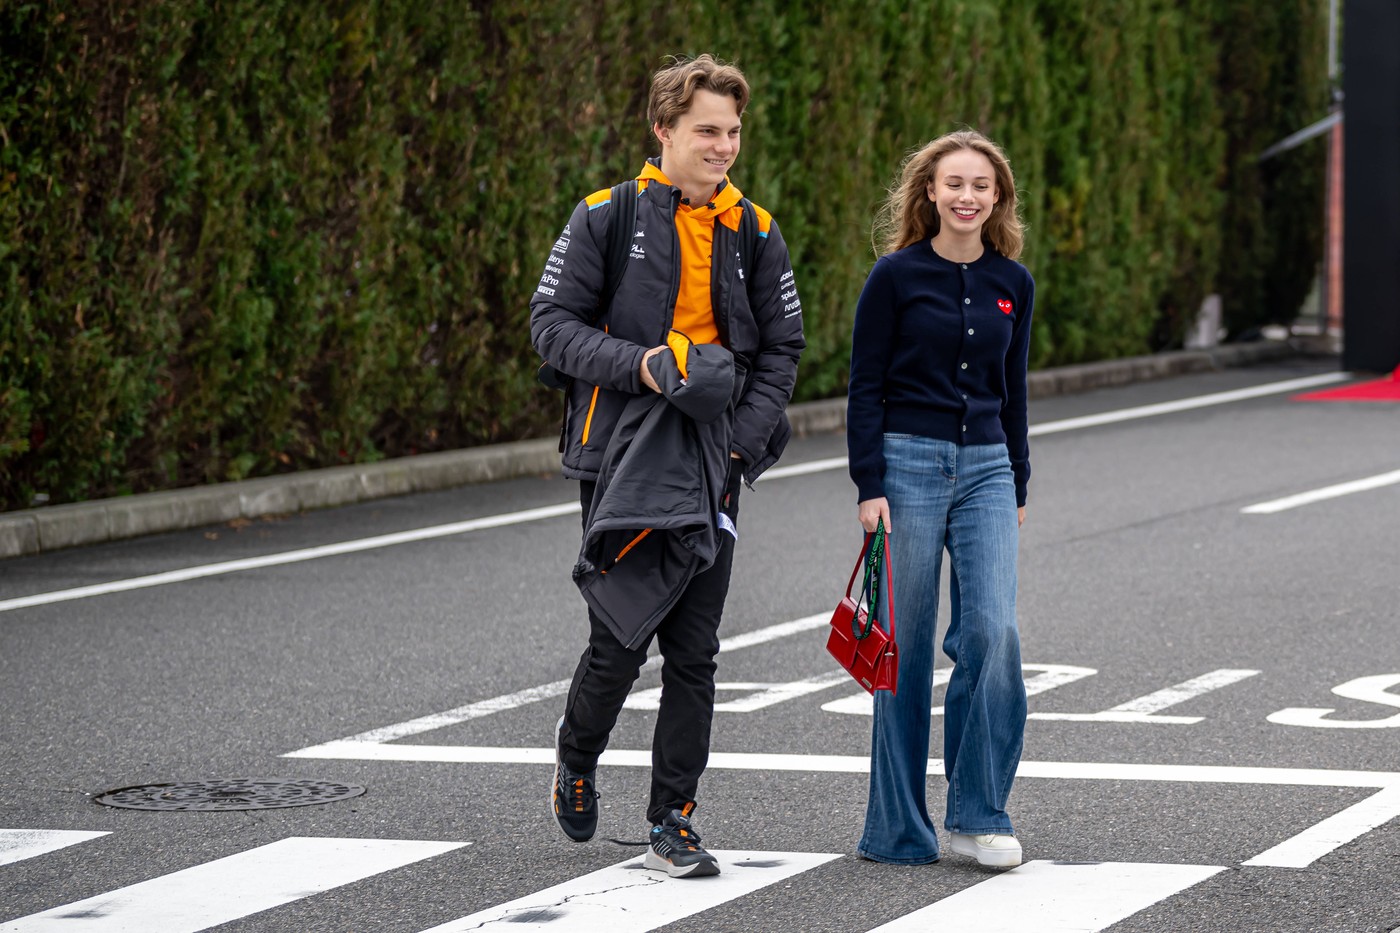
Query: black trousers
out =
(689, 640)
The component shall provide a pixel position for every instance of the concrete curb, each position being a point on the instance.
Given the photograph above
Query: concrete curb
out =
(33, 531)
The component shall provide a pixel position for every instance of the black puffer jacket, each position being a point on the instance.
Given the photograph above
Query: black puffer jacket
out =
(603, 354)
(653, 521)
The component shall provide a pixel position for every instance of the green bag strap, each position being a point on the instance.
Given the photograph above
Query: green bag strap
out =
(876, 557)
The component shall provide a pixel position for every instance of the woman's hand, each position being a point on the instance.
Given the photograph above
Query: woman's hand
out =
(1020, 516)
(874, 510)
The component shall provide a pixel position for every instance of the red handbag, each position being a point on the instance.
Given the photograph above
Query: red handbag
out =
(856, 641)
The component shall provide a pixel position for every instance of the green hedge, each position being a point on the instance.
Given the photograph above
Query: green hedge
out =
(238, 238)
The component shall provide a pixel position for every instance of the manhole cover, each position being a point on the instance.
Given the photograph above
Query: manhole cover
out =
(228, 795)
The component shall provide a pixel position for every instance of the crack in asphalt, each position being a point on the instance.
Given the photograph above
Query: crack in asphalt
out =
(507, 916)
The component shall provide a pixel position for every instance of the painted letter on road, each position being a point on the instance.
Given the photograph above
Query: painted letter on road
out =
(1368, 689)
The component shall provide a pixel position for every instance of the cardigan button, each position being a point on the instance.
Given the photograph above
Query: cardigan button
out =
(967, 301)
(964, 366)
(970, 332)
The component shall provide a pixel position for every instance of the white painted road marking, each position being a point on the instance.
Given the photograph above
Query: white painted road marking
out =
(863, 704)
(1335, 831)
(860, 764)
(774, 632)
(804, 469)
(759, 695)
(1046, 677)
(291, 557)
(626, 898)
(1054, 897)
(16, 845)
(570, 508)
(1316, 844)
(1375, 689)
(1143, 708)
(230, 888)
(462, 713)
(1320, 495)
(1186, 404)
(530, 695)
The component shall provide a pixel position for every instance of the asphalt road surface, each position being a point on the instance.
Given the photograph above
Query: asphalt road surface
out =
(1214, 742)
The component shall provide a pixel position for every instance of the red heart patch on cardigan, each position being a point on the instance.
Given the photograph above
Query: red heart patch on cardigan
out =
(1004, 305)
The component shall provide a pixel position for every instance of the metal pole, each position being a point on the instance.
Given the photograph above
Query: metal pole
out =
(1332, 41)
(1333, 252)
(1332, 256)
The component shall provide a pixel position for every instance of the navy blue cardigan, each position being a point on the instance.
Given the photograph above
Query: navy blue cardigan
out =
(939, 350)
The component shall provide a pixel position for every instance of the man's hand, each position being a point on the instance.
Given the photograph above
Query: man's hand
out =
(872, 511)
(647, 380)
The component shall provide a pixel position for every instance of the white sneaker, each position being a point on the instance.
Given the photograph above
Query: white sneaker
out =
(990, 849)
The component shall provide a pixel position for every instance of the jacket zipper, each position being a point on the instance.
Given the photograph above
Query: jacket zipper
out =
(592, 404)
(675, 267)
(631, 544)
(623, 553)
(728, 264)
(588, 422)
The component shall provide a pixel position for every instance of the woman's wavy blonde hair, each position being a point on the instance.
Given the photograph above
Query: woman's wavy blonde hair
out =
(908, 216)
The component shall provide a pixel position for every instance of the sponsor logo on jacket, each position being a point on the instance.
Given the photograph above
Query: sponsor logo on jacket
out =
(792, 305)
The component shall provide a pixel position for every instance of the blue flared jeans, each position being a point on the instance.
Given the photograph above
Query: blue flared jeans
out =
(961, 499)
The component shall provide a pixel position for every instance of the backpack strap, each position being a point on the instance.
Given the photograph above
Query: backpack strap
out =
(748, 243)
(622, 218)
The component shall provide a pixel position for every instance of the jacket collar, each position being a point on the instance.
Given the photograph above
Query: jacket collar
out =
(725, 197)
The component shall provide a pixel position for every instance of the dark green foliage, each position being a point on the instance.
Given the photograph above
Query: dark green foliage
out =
(1273, 81)
(243, 237)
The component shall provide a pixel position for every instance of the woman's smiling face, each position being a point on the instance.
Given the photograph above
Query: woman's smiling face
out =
(963, 191)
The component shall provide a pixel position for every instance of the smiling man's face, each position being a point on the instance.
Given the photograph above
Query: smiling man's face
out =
(698, 151)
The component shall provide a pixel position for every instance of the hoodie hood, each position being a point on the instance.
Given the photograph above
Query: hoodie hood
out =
(725, 197)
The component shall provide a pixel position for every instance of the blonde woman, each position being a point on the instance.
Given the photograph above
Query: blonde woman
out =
(936, 429)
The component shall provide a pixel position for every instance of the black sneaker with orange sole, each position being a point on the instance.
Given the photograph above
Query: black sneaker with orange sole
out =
(573, 801)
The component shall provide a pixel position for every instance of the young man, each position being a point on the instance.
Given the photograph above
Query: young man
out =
(682, 295)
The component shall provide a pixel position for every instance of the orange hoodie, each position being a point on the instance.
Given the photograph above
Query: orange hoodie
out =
(695, 229)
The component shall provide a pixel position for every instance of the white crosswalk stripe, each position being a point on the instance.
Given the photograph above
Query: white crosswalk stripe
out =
(626, 898)
(1054, 897)
(1337, 830)
(16, 845)
(1038, 897)
(230, 888)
